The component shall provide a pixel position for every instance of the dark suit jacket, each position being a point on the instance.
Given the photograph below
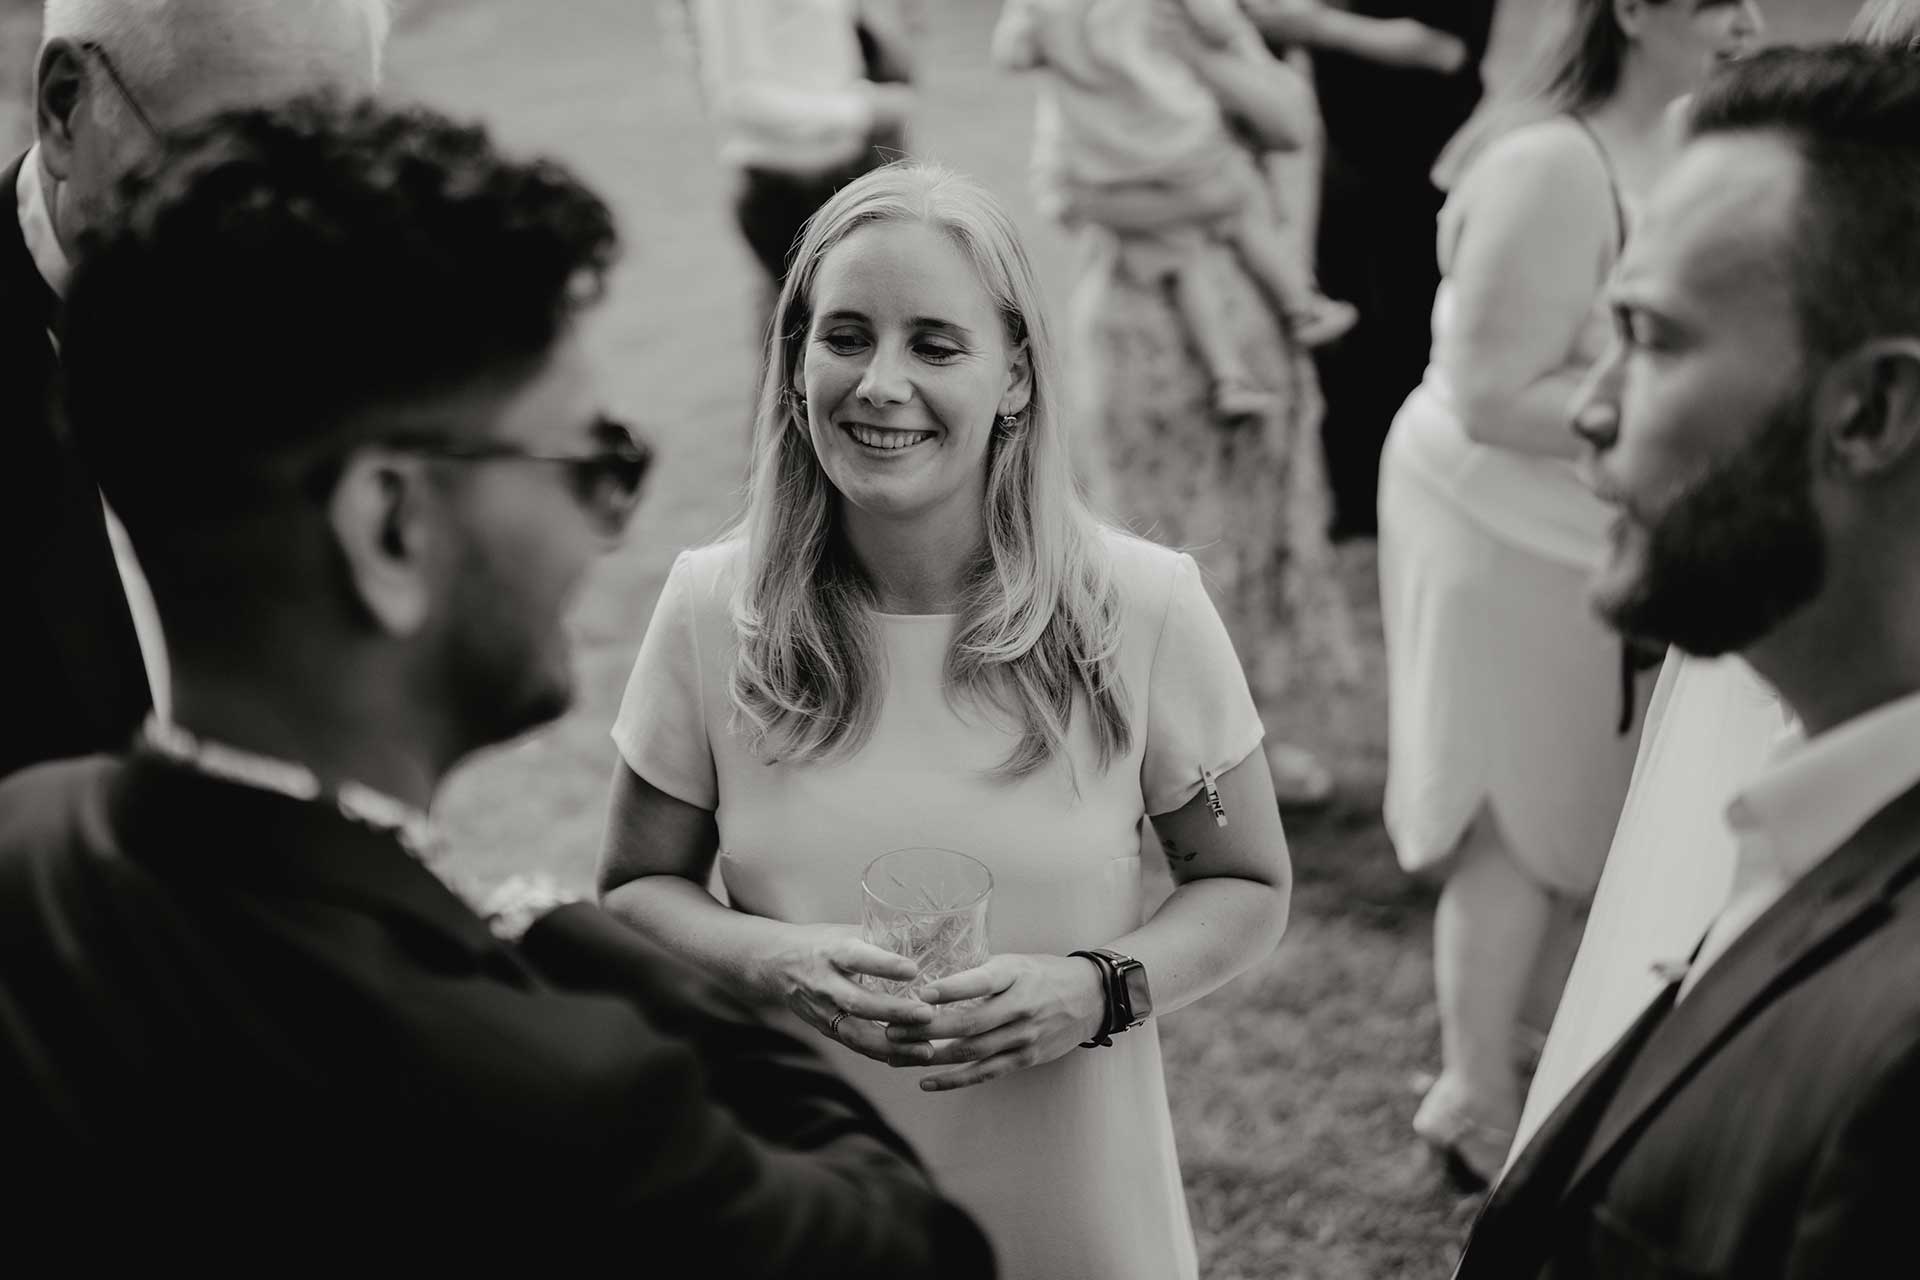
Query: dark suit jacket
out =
(1763, 1127)
(71, 678)
(228, 1014)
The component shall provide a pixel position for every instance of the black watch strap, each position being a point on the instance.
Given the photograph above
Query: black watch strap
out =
(1108, 979)
(1124, 1016)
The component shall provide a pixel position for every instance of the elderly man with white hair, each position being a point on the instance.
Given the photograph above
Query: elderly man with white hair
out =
(82, 660)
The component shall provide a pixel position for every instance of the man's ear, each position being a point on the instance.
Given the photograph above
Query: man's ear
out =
(1867, 409)
(59, 93)
(379, 515)
(1019, 392)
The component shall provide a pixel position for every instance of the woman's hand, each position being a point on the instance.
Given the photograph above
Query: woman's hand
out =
(1032, 1009)
(816, 975)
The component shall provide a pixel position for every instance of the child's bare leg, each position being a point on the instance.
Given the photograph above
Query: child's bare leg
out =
(1235, 394)
(1314, 318)
(1269, 260)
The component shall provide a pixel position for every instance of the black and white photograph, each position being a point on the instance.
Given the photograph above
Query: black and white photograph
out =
(967, 639)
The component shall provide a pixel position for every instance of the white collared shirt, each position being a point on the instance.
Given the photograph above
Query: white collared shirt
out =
(1818, 792)
(510, 907)
(363, 804)
(43, 244)
(36, 226)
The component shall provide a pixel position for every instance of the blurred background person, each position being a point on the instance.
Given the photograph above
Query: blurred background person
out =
(1124, 119)
(1509, 747)
(1711, 727)
(1247, 494)
(919, 635)
(808, 95)
(1395, 80)
(82, 657)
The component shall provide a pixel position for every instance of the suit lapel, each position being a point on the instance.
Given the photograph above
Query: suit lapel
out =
(1518, 1220)
(56, 527)
(83, 602)
(1826, 911)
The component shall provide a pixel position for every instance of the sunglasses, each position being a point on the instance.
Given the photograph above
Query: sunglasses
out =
(606, 482)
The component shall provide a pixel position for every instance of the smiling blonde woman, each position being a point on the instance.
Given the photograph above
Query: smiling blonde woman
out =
(919, 635)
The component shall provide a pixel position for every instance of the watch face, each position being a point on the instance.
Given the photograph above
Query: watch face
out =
(1139, 998)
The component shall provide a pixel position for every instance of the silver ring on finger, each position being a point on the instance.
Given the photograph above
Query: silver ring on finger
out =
(833, 1027)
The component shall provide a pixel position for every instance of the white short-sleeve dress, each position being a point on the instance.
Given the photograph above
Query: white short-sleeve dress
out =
(1069, 1166)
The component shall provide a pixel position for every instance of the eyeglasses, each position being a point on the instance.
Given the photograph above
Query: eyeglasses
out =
(606, 482)
(120, 87)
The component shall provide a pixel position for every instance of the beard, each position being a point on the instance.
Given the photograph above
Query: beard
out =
(1733, 555)
(506, 664)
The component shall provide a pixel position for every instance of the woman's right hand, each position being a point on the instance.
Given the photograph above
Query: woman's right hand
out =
(816, 974)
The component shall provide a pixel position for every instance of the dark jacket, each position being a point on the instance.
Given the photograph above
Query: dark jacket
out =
(1762, 1127)
(223, 1007)
(71, 678)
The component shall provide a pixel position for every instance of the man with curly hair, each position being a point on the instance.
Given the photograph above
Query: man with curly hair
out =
(81, 656)
(235, 998)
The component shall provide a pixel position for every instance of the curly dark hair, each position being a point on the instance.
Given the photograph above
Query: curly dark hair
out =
(281, 271)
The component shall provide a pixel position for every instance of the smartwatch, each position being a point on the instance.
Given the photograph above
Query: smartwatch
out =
(1129, 999)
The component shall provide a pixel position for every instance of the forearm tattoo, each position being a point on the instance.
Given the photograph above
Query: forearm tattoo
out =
(1177, 856)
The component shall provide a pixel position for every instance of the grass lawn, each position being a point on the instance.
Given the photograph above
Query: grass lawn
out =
(1291, 1086)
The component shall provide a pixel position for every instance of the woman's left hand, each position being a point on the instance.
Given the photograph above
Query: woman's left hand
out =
(1032, 1009)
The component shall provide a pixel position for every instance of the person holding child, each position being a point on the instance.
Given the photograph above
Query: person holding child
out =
(1126, 120)
(1247, 493)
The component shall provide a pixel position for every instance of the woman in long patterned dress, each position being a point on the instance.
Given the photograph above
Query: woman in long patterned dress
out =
(1247, 498)
(919, 636)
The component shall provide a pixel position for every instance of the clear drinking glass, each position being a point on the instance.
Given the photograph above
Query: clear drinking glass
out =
(929, 905)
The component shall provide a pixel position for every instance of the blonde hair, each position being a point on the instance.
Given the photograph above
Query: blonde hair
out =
(1040, 617)
(1888, 22)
